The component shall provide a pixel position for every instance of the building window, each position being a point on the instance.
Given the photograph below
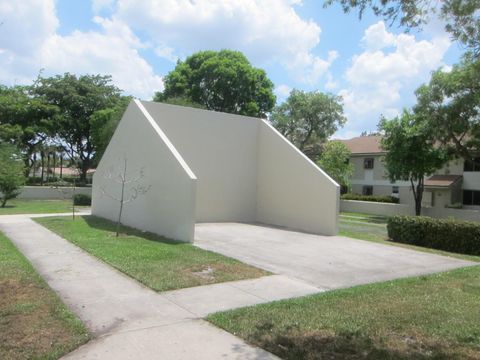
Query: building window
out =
(343, 189)
(367, 190)
(470, 165)
(471, 197)
(368, 163)
(395, 190)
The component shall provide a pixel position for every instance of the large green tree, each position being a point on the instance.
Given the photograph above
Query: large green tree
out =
(24, 121)
(335, 161)
(11, 172)
(451, 104)
(78, 99)
(308, 119)
(411, 154)
(461, 17)
(104, 123)
(222, 81)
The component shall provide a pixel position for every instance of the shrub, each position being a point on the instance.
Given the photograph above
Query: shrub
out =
(12, 176)
(374, 198)
(443, 234)
(82, 200)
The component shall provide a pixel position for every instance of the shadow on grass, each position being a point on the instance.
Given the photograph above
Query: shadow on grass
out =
(110, 226)
(294, 345)
(371, 219)
(7, 206)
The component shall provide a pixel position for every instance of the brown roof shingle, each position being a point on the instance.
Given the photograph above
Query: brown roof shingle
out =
(364, 144)
(442, 180)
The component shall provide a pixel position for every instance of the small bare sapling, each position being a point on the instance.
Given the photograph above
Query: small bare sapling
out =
(130, 189)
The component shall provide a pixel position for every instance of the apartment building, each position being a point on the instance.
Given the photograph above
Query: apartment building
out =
(458, 182)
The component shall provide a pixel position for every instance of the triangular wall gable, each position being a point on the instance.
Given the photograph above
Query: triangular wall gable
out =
(168, 207)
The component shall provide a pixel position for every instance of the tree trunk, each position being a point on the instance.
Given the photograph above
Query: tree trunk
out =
(48, 166)
(42, 155)
(54, 166)
(4, 202)
(83, 170)
(417, 195)
(61, 166)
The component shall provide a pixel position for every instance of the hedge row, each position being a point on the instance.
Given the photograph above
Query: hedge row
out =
(443, 234)
(53, 181)
(374, 198)
(82, 200)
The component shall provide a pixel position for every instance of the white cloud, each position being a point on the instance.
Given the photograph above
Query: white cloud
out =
(331, 84)
(100, 5)
(282, 91)
(343, 134)
(391, 66)
(112, 50)
(377, 37)
(265, 30)
(166, 52)
(26, 25)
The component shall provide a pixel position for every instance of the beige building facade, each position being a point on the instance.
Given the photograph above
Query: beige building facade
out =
(457, 184)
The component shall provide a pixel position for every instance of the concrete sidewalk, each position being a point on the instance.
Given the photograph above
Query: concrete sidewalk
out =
(131, 321)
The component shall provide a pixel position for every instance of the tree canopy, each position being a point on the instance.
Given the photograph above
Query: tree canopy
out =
(308, 119)
(451, 104)
(11, 172)
(24, 120)
(221, 81)
(411, 153)
(461, 17)
(78, 101)
(334, 160)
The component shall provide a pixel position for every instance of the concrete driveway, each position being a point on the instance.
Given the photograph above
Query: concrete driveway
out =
(327, 262)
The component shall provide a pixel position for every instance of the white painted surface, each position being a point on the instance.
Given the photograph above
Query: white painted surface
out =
(376, 208)
(207, 166)
(168, 208)
(51, 193)
(221, 149)
(292, 191)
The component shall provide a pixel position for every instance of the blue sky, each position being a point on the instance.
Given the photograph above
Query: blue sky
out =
(374, 67)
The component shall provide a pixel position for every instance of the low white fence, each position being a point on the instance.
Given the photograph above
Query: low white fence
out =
(51, 193)
(385, 209)
(376, 208)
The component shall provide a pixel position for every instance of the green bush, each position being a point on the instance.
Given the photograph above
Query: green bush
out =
(443, 234)
(82, 200)
(374, 198)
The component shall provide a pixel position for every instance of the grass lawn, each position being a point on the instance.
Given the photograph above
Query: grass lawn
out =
(36, 207)
(34, 323)
(152, 260)
(428, 317)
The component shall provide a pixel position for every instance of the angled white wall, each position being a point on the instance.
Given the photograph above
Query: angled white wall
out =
(168, 208)
(221, 149)
(291, 190)
(206, 166)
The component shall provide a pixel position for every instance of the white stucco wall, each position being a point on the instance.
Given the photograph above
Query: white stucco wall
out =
(207, 166)
(168, 208)
(376, 208)
(291, 190)
(221, 149)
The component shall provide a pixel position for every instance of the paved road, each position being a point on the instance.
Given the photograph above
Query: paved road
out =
(326, 262)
